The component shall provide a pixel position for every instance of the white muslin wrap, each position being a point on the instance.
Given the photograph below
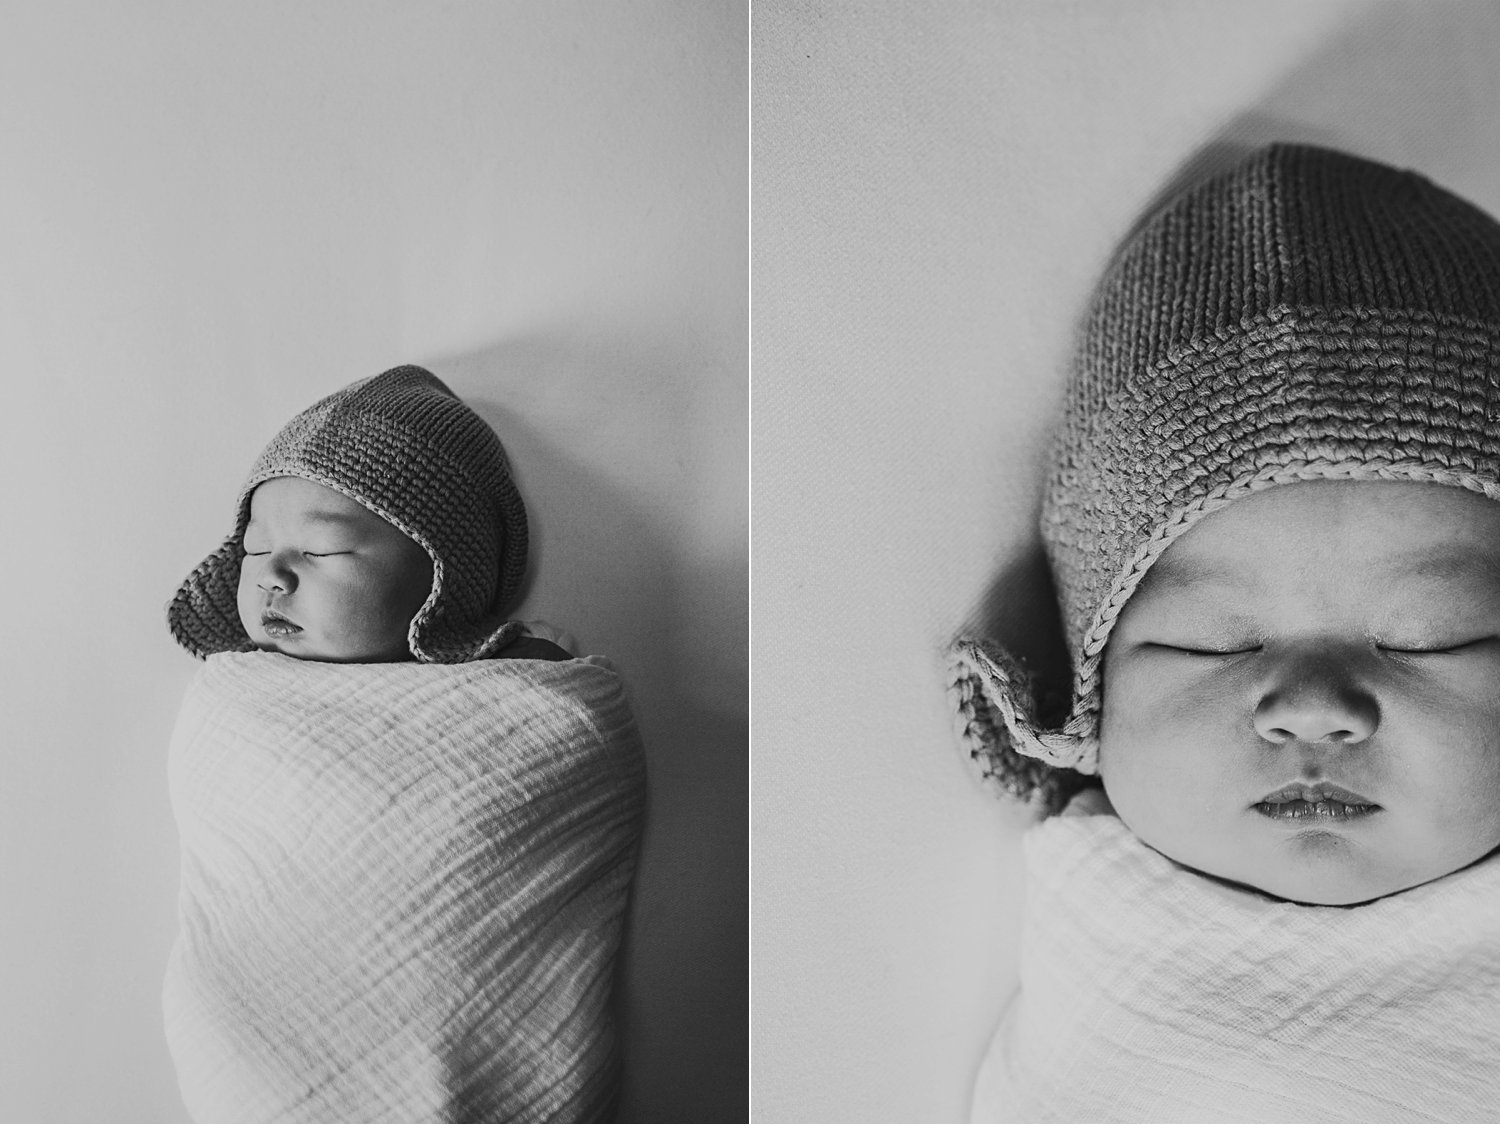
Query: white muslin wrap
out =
(402, 889)
(1152, 994)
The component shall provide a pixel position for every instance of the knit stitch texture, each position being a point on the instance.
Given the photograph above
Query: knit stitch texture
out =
(1306, 315)
(403, 445)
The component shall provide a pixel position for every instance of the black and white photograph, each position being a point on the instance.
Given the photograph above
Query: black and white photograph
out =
(669, 562)
(375, 715)
(1125, 447)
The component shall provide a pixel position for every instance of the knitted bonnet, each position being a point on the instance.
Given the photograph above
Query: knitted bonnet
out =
(403, 445)
(1306, 315)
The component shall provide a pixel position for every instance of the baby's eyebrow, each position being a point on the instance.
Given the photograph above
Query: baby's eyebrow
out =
(342, 518)
(332, 518)
(1466, 565)
(1181, 570)
(1440, 565)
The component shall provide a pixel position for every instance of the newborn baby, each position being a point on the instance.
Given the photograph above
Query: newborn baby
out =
(341, 523)
(409, 823)
(1303, 694)
(1272, 525)
(325, 578)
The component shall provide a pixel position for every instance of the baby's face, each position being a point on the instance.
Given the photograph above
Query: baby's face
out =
(325, 578)
(1304, 694)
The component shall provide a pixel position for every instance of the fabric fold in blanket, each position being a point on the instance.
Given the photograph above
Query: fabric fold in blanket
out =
(1150, 993)
(403, 887)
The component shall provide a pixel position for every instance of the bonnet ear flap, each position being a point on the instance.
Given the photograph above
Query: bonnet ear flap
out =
(995, 704)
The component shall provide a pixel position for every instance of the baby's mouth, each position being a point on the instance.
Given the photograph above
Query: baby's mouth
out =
(278, 626)
(1319, 802)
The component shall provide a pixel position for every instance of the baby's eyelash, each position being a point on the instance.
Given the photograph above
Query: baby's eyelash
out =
(305, 553)
(1426, 651)
(1210, 651)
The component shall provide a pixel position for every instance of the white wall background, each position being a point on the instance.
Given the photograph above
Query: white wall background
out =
(213, 214)
(936, 186)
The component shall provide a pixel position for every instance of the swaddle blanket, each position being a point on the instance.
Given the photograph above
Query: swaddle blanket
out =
(402, 889)
(1153, 994)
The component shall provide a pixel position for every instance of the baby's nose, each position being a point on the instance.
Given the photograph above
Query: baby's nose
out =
(276, 577)
(1314, 703)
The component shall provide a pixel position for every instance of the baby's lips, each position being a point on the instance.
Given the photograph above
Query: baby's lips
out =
(1314, 793)
(276, 622)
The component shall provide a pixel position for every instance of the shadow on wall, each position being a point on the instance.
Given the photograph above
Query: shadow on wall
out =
(1020, 610)
(1405, 83)
(617, 566)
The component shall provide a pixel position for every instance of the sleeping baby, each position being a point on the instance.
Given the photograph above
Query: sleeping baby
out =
(408, 822)
(1270, 518)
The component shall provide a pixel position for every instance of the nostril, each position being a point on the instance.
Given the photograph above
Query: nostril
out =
(1281, 736)
(1313, 707)
(1277, 734)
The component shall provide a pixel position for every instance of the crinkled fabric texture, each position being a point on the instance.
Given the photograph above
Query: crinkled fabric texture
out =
(1153, 994)
(402, 890)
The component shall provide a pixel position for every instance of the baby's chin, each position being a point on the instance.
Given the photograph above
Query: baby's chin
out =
(1338, 863)
(1326, 883)
(314, 653)
(1318, 868)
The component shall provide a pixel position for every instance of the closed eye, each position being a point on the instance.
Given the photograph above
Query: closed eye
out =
(305, 553)
(1428, 651)
(1208, 651)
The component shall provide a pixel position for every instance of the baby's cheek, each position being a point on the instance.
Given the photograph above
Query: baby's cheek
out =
(246, 597)
(1132, 716)
(1159, 757)
(360, 620)
(1128, 738)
